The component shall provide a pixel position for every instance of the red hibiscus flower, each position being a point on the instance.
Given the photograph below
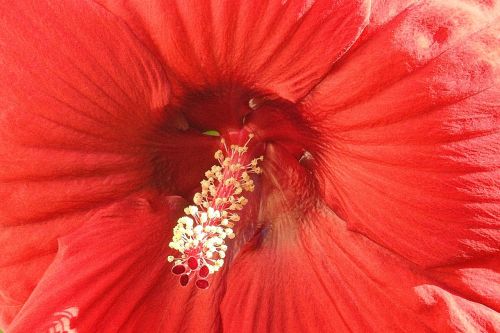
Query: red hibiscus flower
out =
(377, 209)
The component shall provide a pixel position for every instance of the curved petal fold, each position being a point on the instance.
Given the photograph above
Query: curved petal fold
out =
(410, 157)
(360, 285)
(78, 92)
(109, 275)
(280, 47)
(403, 239)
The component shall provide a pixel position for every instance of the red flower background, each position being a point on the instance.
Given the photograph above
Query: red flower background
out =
(378, 209)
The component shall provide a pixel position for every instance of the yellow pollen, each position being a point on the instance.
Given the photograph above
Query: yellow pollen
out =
(200, 236)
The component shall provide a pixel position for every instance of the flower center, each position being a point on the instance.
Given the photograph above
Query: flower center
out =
(201, 235)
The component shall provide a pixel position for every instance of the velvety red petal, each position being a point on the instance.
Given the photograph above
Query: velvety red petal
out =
(78, 95)
(280, 47)
(323, 277)
(109, 274)
(410, 156)
(113, 271)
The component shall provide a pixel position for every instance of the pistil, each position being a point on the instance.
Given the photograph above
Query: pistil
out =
(201, 235)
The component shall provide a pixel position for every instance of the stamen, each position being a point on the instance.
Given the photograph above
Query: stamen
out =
(200, 236)
(253, 103)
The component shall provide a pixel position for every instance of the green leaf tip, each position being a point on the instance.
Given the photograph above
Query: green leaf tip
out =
(212, 133)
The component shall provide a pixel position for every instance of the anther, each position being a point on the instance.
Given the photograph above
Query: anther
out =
(201, 235)
(306, 156)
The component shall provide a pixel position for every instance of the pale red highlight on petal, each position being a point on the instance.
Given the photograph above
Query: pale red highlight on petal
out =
(456, 313)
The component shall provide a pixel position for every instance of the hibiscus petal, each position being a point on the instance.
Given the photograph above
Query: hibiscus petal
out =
(361, 287)
(282, 47)
(456, 313)
(110, 274)
(72, 81)
(410, 157)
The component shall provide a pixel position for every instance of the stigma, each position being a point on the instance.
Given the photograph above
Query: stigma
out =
(202, 234)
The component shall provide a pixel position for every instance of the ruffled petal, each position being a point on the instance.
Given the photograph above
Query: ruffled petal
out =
(78, 95)
(280, 47)
(111, 274)
(359, 285)
(409, 157)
